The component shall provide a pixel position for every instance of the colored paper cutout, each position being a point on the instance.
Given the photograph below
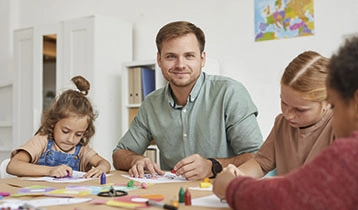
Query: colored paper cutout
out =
(34, 190)
(134, 201)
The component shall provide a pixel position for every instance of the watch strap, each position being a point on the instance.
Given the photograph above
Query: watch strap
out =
(215, 165)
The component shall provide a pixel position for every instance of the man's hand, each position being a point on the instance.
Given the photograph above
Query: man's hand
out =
(144, 164)
(194, 167)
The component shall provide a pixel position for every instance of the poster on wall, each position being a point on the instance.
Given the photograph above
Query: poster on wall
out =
(282, 19)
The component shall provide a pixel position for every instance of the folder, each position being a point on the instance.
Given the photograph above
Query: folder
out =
(148, 81)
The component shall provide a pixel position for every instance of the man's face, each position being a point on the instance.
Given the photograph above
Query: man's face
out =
(181, 61)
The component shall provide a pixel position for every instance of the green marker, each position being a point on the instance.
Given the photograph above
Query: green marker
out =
(181, 195)
(130, 183)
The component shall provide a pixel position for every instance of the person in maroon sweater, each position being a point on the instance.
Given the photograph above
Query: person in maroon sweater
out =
(330, 181)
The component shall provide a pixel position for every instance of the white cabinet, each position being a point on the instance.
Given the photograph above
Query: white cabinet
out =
(94, 47)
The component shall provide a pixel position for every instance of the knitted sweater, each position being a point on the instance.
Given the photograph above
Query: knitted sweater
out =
(330, 181)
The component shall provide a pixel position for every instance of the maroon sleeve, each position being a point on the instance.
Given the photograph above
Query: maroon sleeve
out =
(247, 193)
(330, 181)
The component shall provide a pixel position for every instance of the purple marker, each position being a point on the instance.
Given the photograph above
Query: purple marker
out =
(68, 174)
(103, 178)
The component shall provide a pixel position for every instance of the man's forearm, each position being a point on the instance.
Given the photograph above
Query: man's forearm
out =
(124, 159)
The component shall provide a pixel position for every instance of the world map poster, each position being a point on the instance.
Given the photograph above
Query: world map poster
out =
(281, 19)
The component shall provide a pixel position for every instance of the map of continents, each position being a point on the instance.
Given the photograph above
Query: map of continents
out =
(280, 19)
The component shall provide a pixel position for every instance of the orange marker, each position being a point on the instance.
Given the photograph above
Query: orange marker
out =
(207, 179)
(175, 203)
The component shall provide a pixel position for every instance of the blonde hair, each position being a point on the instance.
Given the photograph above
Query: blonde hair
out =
(70, 103)
(307, 74)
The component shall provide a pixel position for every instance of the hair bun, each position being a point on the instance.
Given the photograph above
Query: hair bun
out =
(82, 84)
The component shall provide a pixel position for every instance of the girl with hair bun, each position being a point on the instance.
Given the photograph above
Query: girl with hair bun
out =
(60, 146)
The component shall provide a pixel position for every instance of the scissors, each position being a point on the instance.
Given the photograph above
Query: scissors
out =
(112, 193)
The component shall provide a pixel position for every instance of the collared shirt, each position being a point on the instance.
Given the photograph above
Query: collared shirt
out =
(218, 120)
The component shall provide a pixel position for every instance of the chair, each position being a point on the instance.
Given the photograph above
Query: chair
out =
(3, 166)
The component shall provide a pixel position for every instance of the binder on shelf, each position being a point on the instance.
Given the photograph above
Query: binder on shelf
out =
(130, 86)
(141, 82)
(148, 81)
(137, 85)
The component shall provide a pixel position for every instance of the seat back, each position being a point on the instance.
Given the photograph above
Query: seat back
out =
(3, 166)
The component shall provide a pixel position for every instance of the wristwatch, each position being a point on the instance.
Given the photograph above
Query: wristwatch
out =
(216, 167)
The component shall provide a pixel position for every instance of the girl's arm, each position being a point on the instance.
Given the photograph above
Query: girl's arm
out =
(20, 165)
(252, 168)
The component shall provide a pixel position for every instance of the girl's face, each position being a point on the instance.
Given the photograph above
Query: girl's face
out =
(299, 112)
(69, 131)
(344, 113)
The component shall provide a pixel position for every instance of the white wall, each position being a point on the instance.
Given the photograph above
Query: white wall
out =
(229, 28)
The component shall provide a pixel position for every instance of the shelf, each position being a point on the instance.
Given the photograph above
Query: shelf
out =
(133, 105)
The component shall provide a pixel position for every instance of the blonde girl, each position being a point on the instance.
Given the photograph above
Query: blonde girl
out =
(303, 129)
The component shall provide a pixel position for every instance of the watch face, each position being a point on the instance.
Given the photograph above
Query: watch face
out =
(217, 168)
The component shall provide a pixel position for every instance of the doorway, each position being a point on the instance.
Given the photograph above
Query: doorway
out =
(49, 70)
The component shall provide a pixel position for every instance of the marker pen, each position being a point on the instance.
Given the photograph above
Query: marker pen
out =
(161, 205)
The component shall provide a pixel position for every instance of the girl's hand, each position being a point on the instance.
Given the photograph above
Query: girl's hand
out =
(99, 166)
(93, 173)
(60, 171)
(234, 170)
(223, 179)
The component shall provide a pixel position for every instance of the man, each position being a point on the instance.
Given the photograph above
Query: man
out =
(199, 122)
